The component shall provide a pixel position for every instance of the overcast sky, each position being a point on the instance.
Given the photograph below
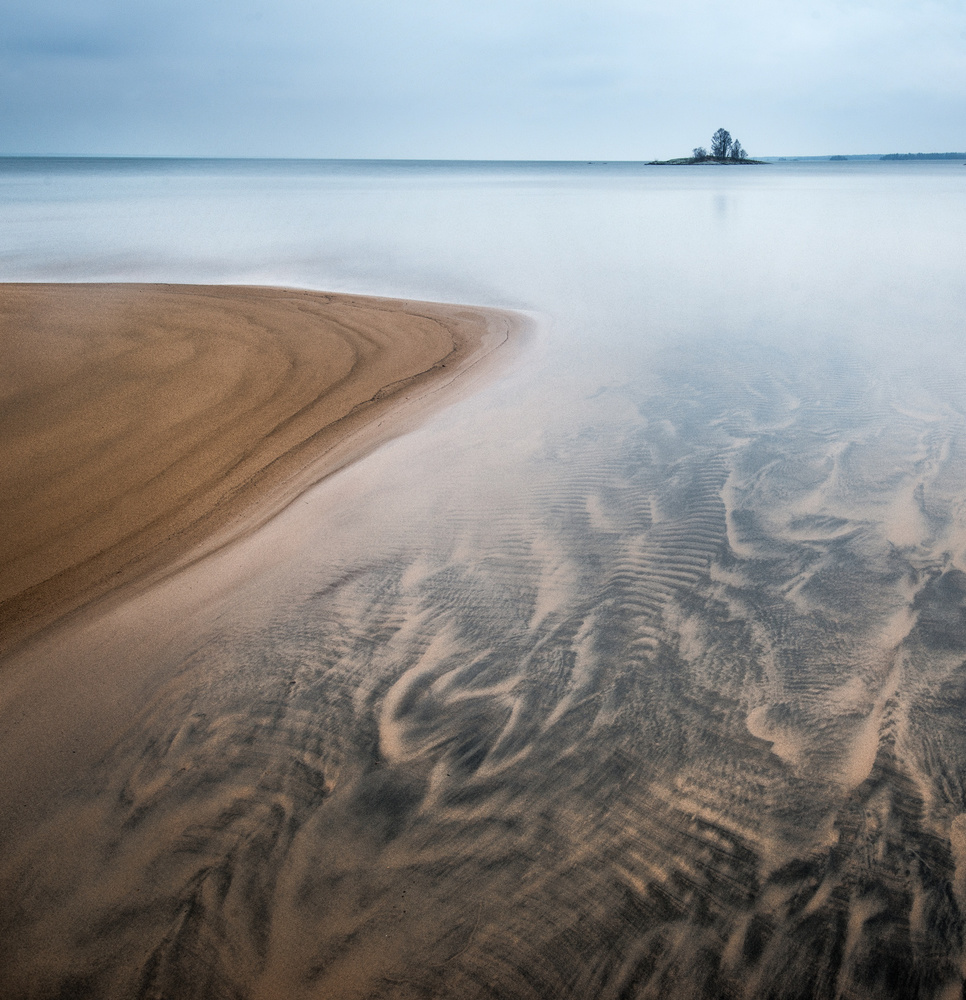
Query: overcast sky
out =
(480, 79)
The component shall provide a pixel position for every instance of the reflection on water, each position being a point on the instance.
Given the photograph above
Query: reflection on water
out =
(639, 674)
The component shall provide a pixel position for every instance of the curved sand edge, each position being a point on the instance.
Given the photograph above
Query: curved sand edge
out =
(144, 426)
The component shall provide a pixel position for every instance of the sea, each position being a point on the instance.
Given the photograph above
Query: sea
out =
(638, 671)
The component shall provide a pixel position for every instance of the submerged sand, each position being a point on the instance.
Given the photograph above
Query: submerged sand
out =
(659, 697)
(144, 424)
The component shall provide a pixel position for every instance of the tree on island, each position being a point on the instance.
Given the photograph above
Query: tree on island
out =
(724, 149)
(721, 144)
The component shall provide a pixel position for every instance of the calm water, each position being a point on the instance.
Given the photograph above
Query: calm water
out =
(641, 672)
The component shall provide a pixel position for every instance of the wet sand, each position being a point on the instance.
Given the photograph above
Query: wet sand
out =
(143, 424)
(660, 698)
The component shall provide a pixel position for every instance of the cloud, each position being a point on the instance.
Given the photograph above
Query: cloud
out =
(426, 77)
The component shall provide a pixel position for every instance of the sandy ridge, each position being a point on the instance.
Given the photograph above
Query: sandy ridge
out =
(145, 425)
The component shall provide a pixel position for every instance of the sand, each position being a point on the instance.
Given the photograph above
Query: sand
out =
(144, 425)
(659, 697)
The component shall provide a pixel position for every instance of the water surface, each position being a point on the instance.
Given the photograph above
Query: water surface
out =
(640, 672)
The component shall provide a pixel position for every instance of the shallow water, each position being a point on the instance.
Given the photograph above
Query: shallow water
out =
(640, 672)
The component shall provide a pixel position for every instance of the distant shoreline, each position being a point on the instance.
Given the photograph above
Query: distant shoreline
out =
(868, 157)
(923, 156)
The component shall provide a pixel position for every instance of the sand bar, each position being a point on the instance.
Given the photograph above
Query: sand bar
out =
(143, 425)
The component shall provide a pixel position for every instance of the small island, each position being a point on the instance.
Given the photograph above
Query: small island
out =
(724, 149)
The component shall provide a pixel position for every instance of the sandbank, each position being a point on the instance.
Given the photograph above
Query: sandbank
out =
(145, 425)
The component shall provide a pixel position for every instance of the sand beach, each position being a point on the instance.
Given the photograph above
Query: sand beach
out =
(143, 425)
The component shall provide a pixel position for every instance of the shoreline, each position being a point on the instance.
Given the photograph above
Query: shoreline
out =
(147, 425)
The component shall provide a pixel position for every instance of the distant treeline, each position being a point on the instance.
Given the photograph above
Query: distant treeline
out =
(923, 156)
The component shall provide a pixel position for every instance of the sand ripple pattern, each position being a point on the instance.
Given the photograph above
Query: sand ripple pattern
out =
(680, 717)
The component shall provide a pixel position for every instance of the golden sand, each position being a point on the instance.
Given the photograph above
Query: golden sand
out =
(142, 423)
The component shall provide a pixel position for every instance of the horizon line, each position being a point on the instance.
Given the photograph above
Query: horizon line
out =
(443, 159)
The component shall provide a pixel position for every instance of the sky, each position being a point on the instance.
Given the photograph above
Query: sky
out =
(480, 79)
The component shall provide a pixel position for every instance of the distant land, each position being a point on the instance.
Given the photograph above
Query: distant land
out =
(867, 156)
(923, 156)
(727, 150)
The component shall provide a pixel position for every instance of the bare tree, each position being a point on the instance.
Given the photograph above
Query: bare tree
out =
(737, 153)
(721, 143)
(699, 153)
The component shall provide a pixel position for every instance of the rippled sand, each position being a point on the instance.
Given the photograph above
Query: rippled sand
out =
(680, 716)
(141, 421)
